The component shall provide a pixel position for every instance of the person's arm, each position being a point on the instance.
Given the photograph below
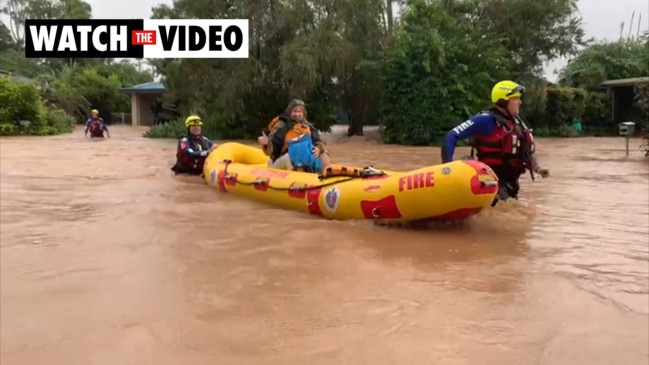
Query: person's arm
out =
(268, 147)
(276, 138)
(186, 148)
(208, 143)
(85, 130)
(481, 124)
(316, 139)
(105, 128)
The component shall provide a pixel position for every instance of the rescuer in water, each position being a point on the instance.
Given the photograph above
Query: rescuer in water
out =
(500, 139)
(293, 142)
(193, 148)
(95, 126)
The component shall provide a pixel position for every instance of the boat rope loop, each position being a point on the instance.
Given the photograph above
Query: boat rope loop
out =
(364, 173)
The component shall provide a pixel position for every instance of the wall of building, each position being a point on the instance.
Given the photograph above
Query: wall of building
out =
(141, 108)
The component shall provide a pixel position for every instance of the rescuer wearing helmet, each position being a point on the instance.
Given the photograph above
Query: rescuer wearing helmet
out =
(95, 126)
(193, 148)
(499, 139)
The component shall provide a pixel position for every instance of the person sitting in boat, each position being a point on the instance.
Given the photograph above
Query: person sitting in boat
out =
(95, 126)
(293, 143)
(500, 139)
(193, 148)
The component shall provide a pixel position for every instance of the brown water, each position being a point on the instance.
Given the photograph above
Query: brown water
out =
(106, 259)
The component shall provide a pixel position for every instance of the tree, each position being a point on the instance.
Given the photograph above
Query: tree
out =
(439, 71)
(6, 40)
(19, 10)
(603, 61)
(346, 34)
(333, 54)
(306, 50)
(533, 31)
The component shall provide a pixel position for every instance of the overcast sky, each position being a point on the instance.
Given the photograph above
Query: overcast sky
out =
(602, 18)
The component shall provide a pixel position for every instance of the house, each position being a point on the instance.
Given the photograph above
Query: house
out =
(622, 93)
(143, 97)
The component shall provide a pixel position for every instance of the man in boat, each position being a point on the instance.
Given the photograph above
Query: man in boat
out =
(95, 126)
(293, 142)
(499, 139)
(193, 148)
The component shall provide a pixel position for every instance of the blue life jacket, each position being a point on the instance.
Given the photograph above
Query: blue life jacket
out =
(301, 155)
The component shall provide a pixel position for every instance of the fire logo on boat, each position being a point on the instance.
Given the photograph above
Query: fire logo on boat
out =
(332, 197)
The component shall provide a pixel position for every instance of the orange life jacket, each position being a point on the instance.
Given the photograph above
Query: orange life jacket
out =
(295, 129)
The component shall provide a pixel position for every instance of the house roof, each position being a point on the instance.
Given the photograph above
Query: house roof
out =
(626, 82)
(152, 87)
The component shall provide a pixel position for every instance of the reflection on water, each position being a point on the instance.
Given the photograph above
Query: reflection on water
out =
(106, 259)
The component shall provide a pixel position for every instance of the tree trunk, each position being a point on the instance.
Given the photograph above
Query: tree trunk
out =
(355, 115)
(389, 15)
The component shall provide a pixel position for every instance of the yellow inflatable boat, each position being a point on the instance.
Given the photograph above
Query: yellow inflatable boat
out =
(450, 191)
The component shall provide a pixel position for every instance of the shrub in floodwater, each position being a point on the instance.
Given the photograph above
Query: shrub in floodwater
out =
(644, 147)
(167, 130)
(59, 120)
(23, 111)
(8, 129)
(213, 128)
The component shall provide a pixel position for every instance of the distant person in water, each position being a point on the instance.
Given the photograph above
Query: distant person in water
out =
(95, 126)
(193, 148)
(499, 139)
(293, 143)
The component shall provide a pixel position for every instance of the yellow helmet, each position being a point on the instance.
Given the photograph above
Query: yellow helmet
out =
(94, 112)
(193, 120)
(506, 90)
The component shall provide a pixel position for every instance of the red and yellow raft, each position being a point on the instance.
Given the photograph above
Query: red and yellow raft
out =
(450, 191)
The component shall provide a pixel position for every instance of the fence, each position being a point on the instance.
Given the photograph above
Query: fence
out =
(121, 118)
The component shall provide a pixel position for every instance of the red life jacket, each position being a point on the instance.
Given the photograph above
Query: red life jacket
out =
(509, 145)
(96, 129)
(190, 163)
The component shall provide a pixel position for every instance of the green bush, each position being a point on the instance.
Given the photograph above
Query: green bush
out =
(22, 102)
(597, 118)
(566, 130)
(542, 132)
(59, 120)
(8, 129)
(644, 147)
(430, 76)
(168, 130)
(563, 105)
(213, 128)
(45, 130)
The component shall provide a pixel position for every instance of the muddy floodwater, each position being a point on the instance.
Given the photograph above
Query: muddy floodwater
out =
(108, 260)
